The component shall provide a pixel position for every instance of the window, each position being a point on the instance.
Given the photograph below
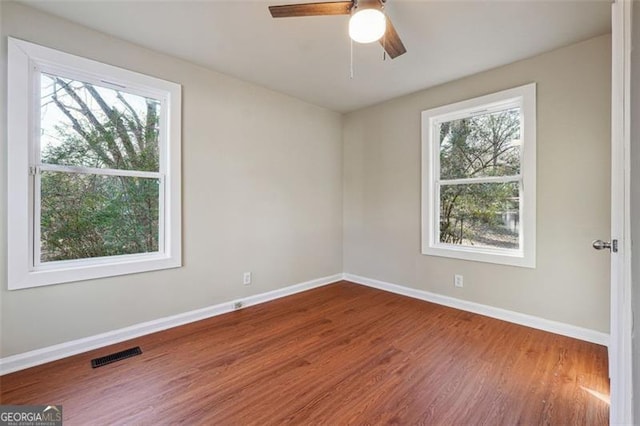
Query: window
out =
(93, 170)
(479, 184)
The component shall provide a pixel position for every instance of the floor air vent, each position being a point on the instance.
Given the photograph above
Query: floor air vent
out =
(108, 359)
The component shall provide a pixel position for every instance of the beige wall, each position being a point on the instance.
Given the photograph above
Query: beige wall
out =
(262, 192)
(382, 191)
(265, 190)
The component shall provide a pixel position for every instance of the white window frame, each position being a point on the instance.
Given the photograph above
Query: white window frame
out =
(26, 61)
(523, 97)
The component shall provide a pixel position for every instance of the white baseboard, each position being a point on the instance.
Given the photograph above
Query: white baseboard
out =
(490, 311)
(63, 350)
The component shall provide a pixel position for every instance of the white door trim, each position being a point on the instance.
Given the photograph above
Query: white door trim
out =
(620, 361)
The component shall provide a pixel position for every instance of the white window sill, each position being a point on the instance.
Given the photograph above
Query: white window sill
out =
(484, 254)
(79, 270)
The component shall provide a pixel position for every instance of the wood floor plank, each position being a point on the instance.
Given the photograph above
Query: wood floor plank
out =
(339, 354)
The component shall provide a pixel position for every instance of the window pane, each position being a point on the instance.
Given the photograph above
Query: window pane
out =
(88, 125)
(483, 215)
(480, 146)
(85, 216)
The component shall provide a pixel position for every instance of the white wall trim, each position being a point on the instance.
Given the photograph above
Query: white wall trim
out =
(490, 311)
(621, 348)
(74, 347)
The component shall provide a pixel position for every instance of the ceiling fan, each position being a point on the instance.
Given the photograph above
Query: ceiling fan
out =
(367, 24)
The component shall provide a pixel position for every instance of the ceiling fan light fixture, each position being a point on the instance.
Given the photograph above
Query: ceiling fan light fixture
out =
(367, 25)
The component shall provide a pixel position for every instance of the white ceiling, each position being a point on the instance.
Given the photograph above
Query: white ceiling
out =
(309, 57)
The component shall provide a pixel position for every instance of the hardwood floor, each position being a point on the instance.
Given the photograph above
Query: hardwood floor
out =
(339, 354)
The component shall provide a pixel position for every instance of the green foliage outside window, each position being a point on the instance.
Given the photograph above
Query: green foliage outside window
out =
(85, 215)
(480, 214)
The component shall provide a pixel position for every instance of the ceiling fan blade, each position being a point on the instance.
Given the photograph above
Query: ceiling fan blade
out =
(312, 9)
(391, 42)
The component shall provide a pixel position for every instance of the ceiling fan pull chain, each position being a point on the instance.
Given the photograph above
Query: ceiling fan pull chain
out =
(384, 44)
(351, 68)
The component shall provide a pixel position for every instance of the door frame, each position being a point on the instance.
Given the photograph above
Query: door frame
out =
(620, 356)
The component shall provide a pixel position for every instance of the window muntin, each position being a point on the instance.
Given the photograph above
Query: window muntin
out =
(479, 179)
(93, 171)
(85, 206)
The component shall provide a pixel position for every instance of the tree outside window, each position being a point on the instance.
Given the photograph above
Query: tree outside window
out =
(480, 214)
(87, 130)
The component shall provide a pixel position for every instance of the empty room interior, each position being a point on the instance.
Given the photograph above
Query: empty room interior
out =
(352, 212)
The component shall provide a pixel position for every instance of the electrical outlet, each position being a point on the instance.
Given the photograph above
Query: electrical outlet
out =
(237, 305)
(458, 281)
(246, 278)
